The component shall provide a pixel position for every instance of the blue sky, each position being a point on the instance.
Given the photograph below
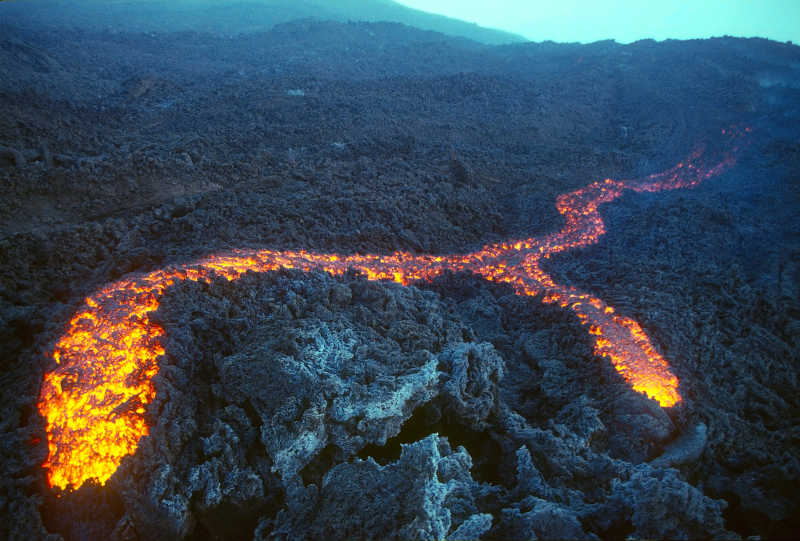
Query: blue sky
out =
(626, 20)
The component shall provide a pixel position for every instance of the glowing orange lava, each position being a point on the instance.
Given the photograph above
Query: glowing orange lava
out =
(94, 400)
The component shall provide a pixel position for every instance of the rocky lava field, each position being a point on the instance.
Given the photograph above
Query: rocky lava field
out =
(293, 404)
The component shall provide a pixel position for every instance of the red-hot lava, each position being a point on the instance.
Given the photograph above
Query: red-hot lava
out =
(94, 400)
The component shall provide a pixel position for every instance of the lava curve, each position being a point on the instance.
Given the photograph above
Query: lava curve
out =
(94, 400)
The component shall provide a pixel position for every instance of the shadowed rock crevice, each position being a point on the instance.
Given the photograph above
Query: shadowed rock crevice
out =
(427, 420)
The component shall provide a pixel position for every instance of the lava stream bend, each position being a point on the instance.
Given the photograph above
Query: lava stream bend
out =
(94, 400)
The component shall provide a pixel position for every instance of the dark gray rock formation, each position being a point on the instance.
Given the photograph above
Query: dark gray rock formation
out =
(470, 382)
(276, 379)
(451, 409)
(427, 494)
(686, 448)
(662, 506)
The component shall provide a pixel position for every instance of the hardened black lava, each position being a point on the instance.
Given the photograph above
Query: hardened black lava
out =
(299, 404)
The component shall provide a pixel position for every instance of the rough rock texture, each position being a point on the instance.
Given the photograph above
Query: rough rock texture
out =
(268, 383)
(427, 493)
(472, 373)
(662, 506)
(295, 405)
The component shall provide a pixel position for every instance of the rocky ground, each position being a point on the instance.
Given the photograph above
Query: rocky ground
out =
(295, 405)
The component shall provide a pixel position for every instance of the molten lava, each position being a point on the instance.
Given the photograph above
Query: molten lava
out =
(94, 401)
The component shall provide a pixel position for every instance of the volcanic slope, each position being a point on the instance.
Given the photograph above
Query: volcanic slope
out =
(95, 401)
(283, 397)
(236, 18)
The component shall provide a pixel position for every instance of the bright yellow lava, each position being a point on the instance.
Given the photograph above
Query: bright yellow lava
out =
(95, 399)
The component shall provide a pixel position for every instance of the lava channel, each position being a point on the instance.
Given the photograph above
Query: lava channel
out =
(94, 401)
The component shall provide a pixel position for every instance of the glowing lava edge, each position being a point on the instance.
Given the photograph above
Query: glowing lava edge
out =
(94, 400)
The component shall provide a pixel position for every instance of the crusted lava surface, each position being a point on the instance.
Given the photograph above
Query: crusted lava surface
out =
(297, 403)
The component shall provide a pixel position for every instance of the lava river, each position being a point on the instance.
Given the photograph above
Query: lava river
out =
(94, 400)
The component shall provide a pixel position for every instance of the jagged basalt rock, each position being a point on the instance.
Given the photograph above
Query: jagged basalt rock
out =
(471, 375)
(264, 379)
(161, 149)
(533, 518)
(662, 506)
(426, 494)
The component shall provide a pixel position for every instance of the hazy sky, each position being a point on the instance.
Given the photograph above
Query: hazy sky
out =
(626, 20)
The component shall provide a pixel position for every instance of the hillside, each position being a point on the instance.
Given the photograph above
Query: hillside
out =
(361, 280)
(231, 18)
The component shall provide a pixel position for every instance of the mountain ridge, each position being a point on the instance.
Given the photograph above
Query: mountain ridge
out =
(237, 18)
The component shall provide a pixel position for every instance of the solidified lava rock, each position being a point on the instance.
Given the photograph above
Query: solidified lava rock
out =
(295, 405)
(272, 385)
(270, 382)
(427, 493)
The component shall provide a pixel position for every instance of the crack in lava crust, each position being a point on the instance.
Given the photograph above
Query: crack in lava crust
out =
(94, 400)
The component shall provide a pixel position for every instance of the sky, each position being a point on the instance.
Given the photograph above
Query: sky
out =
(626, 20)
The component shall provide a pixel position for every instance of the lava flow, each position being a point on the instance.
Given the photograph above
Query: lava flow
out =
(94, 401)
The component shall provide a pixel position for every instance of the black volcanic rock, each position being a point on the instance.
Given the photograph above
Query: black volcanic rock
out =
(269, 382)
(302, 405)
(470, 386)
(685, 449)
(427, 493)
(662, 506)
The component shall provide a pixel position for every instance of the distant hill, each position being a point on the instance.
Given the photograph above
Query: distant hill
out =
(227, 17)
